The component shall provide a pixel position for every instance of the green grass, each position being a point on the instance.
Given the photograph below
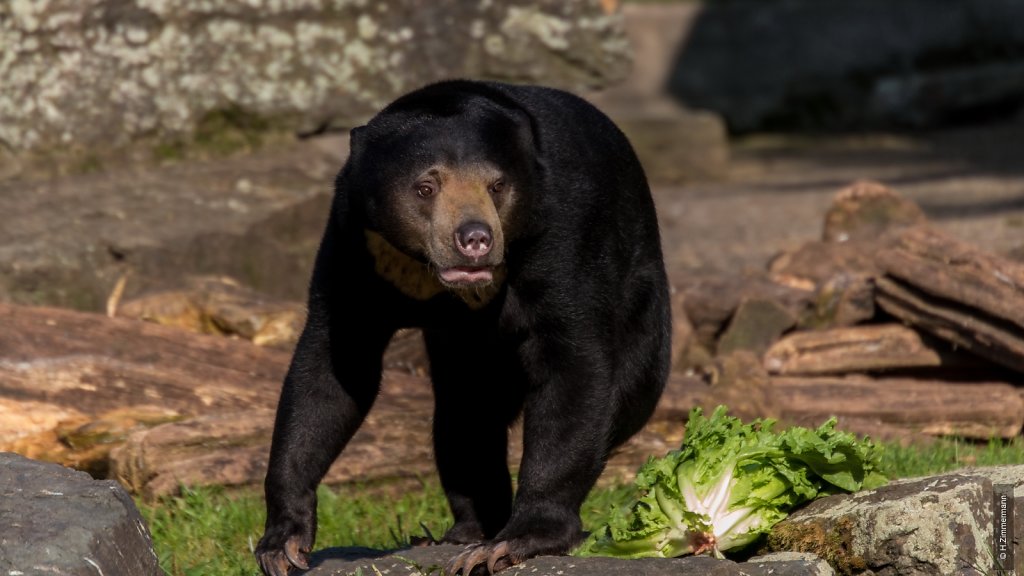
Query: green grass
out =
(946, 455)
(210, 532)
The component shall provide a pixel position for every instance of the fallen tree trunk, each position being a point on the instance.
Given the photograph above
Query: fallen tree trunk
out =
(93, 364)
(871, 348)
(981, 410)
(232, 448)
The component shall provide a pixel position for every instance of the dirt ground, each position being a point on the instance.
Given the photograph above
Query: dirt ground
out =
(969, 181)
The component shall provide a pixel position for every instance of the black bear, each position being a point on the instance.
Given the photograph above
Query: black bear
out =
(515, 226)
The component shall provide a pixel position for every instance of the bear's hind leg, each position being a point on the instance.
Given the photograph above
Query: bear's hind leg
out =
(475, 477)
(474, 408)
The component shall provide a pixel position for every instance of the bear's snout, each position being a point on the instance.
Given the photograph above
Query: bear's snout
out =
(474, 239)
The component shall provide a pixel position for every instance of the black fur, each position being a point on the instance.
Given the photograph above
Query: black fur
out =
(576, 340)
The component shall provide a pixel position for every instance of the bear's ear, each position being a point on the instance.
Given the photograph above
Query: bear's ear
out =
(356, 144)
(528, 138)
(525, 132)
(355, 138)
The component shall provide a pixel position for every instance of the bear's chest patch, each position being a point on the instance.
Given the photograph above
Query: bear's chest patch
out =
(415, 279)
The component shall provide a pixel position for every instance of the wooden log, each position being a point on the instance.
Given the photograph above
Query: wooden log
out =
(76, 384)
(956, 292)
(220, 305)
(407, 353)
(854, 349)
(970, 328)
(94, 364)
(949, 269)
(981, 410)
(231, 448)
(683, 337)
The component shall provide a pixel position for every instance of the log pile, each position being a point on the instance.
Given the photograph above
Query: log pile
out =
(888, 323)
(158, 407)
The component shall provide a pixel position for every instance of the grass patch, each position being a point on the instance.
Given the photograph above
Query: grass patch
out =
(210, 531)
(946, 455)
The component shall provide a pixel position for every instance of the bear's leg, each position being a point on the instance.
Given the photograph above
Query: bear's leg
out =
(475, 404)
(566, 430)
(471, 461)
(331, 384)
(319, 411)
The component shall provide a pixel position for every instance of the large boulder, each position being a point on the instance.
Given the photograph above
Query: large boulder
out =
(104, 72)
(675, 144)
(60, 521)
(936, 525)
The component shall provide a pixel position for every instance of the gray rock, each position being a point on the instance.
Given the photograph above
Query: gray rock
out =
(104, 72)
(674, 143)
(846, 63)
(755, 326)
(1004, 477)
(67, 240)
(935, 525)
(59, 521)
(782, 563)
(428, 561)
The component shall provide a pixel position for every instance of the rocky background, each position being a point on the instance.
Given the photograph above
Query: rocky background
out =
(165, 172)
(105, 72)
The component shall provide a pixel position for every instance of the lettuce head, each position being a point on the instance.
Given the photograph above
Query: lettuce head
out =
(729, 483)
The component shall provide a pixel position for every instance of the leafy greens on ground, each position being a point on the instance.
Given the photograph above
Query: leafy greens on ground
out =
(731, 482)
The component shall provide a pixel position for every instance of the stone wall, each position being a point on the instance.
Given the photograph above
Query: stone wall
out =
(99, 73)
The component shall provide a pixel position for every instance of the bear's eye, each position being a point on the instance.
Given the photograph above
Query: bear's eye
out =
(424, 190)
(498, 187)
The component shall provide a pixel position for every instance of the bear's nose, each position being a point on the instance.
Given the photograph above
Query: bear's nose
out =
(473, 239)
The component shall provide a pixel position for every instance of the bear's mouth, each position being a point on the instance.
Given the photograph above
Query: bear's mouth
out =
(467, 275)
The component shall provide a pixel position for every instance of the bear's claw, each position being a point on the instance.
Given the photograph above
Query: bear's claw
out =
(277, 562)
(494, 555)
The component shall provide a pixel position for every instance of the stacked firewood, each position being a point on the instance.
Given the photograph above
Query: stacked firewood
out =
(888, 323)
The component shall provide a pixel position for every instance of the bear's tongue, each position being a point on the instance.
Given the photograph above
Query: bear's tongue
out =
(466, 275)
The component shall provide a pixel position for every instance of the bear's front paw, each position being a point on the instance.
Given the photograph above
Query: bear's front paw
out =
(494, 555)
(513, 547)
(276, 555)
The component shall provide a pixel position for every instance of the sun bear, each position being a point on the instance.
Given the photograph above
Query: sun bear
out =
(515, 226)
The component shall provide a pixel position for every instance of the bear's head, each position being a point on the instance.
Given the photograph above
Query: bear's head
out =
(444, 181)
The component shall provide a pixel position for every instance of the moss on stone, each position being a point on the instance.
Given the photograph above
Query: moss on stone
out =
(831, 541)
(230, 129)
